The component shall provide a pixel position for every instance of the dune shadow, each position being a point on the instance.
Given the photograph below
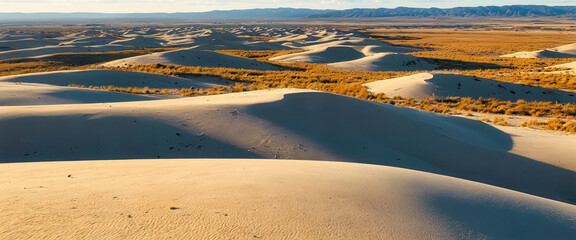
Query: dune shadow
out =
(373, 133)
(447, 64)
(86, 137)
(501, 219)
(96, 96)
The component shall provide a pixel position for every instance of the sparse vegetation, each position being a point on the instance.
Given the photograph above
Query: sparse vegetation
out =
(467, 52)
(554, 124)
(476, 53)
(66, 61)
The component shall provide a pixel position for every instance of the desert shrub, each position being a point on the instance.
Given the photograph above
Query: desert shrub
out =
(500, 121)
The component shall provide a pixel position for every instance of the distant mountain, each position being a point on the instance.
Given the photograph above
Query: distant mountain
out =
(297, 13)
(489, 11)
(249, 14)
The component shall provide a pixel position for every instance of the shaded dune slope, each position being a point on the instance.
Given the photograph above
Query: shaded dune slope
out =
(565, 51)
(430, 85)
(279, 124)
(384, 62)
(322, 55)
(109, 78)
(21, 94)
(194, 57)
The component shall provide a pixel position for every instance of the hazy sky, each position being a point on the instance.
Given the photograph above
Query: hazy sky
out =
(207, 5)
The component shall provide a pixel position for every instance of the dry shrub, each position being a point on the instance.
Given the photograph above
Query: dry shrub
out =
(555, 124)
(500, 121)
(569, 127)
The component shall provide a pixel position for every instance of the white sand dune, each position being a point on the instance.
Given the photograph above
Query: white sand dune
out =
(384, 62)
(282, 124)
(51, 50)
(570, 65)
(569, 49)
(268, 199)
(225, 40)
(322, 55)
(15, 45)
(194, 57)
(430, 85)
(357, 54)
(566, 51)
(540, 54)
(21, 94)
(208, 167)
(113, 78)
(361, 42)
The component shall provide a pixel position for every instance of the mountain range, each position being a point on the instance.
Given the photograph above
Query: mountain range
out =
(294, 13)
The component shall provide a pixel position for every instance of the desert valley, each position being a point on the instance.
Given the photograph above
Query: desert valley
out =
(323, 129)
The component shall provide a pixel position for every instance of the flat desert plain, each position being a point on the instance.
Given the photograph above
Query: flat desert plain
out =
(285, 131)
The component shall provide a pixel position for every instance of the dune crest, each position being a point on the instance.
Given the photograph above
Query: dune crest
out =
(288, 124)
(384, 62)
(193, 57)
(429, 85)
(24, 94)
(565, 51)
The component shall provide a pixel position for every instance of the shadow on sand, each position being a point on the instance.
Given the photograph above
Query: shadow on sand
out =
(366, 132)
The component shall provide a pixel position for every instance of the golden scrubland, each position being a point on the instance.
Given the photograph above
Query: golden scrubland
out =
(469, 52)
(476, 53)
(67, 61)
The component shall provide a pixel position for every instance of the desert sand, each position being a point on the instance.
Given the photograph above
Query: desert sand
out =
(268, 199)
(322, 55)
(565, 51)
(355, 54)
(343, 50)
(272, 164)
(384, 62)
(273, 124)
(19, 45)
(194, 57)
(23, 94)
(571, 66)
(429, 85)
(114, 78)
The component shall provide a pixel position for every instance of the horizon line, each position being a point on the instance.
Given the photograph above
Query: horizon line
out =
(320, 9)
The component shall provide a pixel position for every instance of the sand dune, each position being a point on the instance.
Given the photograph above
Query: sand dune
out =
(21, 94)
(280, 124)
(193, 57)
(540, 54)
(430, 85)
(360, 42)
(353, 54)
(322, 55)
(569, 49)
(113, 78)
(92, 164)
(26, 42)
(347, 51)
(571, 65)
(566, 51)
(50, 50)
(268, 199)
(357, 55)
(18, 45)
(384, 62)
